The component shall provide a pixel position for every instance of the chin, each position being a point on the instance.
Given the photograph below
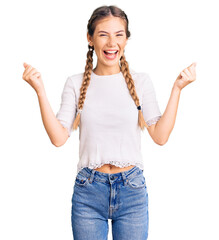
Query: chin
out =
(112, 64)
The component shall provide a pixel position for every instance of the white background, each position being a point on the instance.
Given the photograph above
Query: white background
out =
(36, 178)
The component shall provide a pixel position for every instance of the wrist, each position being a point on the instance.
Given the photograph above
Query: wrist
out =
(176, 88)
(41, 92)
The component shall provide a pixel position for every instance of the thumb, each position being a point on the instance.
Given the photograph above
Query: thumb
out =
(25, 64)
(193, 64)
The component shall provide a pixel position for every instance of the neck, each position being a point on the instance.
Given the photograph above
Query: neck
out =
(106, 70)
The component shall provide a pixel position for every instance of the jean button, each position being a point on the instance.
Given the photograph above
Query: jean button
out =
(111, 177)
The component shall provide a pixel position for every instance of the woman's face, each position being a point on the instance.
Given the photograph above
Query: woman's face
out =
(109, 40)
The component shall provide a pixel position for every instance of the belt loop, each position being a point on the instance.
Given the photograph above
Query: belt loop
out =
(124, 178)
(91, 176)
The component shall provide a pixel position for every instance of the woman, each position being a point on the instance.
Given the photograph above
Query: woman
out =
(111, 104)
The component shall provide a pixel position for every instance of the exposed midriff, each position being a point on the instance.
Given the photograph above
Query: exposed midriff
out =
(109, 168)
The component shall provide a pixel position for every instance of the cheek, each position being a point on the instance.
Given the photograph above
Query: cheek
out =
(100, 43)
(97, 49)
(122, 44)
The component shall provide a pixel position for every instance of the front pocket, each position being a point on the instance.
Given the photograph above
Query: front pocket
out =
(137, 181)
(81, 180)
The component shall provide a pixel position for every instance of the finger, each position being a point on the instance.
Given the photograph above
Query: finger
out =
(25, 64)
(27, 70)
(37, 74)
(31, 72)
(192, 67)
(193, 64)
(34, 76)
(188, 73)
(184, 76)
(193, 72)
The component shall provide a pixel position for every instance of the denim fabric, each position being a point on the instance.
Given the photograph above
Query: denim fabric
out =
(99, 196)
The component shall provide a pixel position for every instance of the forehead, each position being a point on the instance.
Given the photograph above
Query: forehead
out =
(110, 24)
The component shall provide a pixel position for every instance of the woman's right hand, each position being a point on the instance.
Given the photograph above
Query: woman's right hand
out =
(33, 77)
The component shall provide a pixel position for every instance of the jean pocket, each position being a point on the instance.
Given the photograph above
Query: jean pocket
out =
(81, 180)
(138, 181)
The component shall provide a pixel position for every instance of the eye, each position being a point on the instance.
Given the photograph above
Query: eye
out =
(119, 35)
(102, 34)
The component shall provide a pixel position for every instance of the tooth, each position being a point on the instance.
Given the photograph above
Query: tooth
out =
(111, 51)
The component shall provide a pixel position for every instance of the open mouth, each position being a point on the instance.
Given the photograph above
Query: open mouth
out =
(110, 54)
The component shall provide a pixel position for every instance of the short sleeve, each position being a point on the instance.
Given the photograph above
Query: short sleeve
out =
(67, 110)
(150, 107)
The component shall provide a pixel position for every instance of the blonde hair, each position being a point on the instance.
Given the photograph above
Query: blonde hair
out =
(98, 14)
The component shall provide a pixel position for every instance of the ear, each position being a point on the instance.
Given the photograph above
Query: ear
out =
(89, 39)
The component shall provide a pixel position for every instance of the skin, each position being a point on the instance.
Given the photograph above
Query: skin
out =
(109, 39)
(113, 37)
(159, 132)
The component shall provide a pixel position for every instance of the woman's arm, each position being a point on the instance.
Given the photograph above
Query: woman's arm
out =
(160, 131)
(56, 132)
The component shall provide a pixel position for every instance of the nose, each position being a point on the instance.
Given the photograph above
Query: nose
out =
(111, 42)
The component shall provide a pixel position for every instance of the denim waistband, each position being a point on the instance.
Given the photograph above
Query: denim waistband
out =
(110, 177)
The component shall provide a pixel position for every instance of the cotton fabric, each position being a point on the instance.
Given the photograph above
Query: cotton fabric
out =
(109, 132)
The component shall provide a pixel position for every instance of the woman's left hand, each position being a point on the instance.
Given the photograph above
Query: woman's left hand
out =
(187, 76)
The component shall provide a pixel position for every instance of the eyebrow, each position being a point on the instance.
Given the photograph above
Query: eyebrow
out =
(107, 32)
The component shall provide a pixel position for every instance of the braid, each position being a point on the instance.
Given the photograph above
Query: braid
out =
(131, 86)
(98, 14)
(85, 84)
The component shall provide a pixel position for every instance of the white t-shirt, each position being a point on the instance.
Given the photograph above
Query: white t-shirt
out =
(109, 132)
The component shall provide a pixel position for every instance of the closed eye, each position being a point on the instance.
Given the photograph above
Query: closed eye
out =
(116, 35)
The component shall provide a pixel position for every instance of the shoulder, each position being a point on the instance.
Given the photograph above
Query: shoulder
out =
(74, 80)
(76, 77)
(140, 77)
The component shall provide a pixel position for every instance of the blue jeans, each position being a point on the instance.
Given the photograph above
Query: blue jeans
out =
(99, 196)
